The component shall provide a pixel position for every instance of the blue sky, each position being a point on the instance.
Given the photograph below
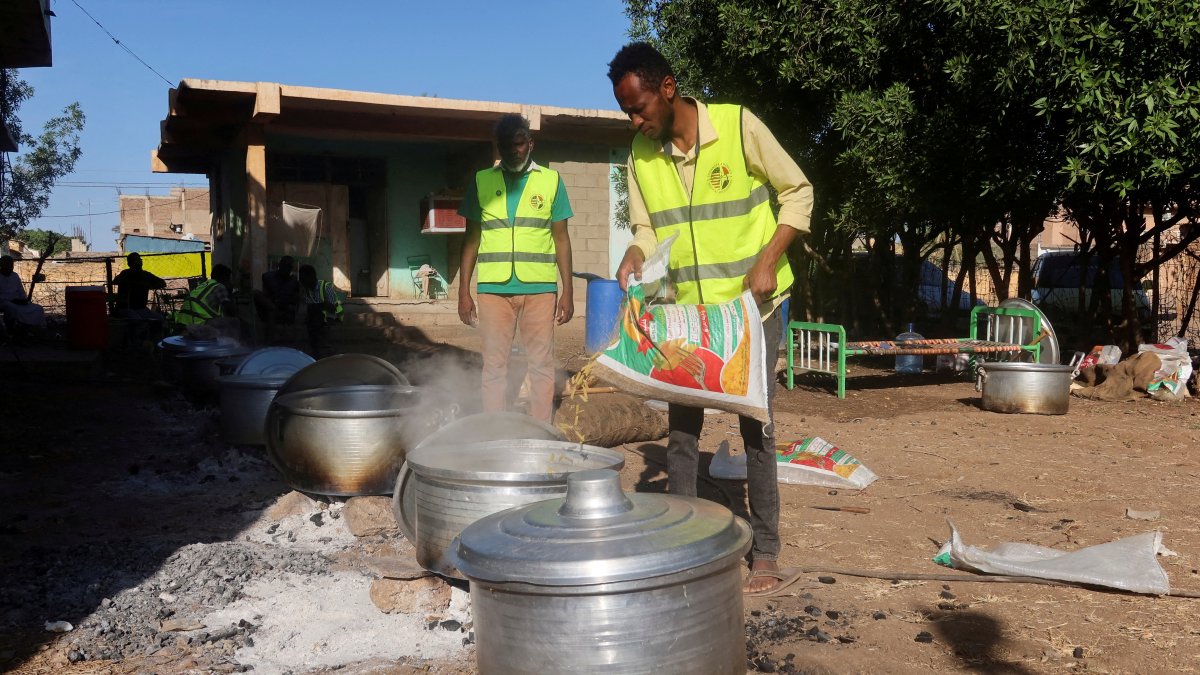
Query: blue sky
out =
(551, 52)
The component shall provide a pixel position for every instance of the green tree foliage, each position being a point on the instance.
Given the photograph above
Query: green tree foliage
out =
(40, 240)
(959, 124)
(44, 160)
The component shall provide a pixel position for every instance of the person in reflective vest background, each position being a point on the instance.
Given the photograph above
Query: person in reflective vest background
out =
(702, 172)
(322, 307)
(517, 240)
(208, 302)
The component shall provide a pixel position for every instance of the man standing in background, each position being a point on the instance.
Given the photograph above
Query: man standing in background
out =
(517, 217)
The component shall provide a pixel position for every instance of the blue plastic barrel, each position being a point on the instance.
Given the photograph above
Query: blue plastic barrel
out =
(603, 306)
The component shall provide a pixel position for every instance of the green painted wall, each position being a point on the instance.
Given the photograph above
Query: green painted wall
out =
(413, 170)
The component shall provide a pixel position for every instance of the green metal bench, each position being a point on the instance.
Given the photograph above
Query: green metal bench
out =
(823, 348)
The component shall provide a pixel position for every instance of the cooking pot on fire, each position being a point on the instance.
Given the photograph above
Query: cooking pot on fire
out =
(1017, 387)
(349, 441)
(445, 488)
(170, 349)
(601, 581)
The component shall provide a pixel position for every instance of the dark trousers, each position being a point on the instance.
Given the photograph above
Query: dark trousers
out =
(317, 330)
(762, 488)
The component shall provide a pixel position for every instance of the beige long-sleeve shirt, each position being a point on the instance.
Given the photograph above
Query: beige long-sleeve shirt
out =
(765, 158)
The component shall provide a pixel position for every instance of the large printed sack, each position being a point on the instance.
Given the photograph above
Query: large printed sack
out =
(809, 461)
(816, 461)
(698, 355)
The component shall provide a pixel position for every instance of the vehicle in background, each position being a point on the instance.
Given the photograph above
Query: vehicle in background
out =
(933, 301)
(1057, 277)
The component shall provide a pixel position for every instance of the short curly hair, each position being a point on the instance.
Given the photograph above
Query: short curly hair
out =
(643, 60)
(511, 126)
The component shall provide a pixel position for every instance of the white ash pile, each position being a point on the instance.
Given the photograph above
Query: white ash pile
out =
(296, 589)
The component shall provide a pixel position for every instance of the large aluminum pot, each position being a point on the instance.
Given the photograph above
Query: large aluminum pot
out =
(170, 349)
(349, 441)
(245, 400)
(198, 371)
(607, 582)
(1015, 387)
(448, 487)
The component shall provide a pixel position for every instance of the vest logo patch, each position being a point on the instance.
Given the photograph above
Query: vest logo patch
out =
(537, 202)
(719, 177)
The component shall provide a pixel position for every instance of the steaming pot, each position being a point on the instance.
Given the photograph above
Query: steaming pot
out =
(607, 582)
(349, 441)
(445, 488)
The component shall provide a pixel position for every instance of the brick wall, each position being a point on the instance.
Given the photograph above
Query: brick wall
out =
(584, 171)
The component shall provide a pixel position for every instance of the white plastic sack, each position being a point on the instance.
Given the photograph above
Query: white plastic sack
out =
(1129, 564)
(1170, 380)
(726, 466)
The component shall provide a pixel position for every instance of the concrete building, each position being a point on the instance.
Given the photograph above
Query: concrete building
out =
(385, 171)
(185, 213)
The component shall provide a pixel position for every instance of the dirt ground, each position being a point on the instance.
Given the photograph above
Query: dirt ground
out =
(1059, 481)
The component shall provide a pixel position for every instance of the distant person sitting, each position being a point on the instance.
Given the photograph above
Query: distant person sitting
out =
(279, 299)
(211, 304)
(133, 293)
(14, 301)
(322, 307)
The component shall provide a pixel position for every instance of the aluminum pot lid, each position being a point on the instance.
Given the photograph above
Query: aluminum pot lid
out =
(274, 361)
(222, 351)
(182, 344)
(599, 534)
(344, 370)
(1050, 351)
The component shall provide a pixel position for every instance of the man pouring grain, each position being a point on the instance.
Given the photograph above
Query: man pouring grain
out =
(702, 172)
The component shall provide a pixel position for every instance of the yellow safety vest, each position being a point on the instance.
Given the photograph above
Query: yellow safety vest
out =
(323, 292)
(196, 308)
(523, 247)
(723, 225)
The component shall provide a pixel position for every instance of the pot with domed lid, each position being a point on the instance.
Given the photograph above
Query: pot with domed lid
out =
(603, 581)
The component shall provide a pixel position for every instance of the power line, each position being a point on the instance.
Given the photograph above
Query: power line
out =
(140, 208)
(89, 183)
(122, 46)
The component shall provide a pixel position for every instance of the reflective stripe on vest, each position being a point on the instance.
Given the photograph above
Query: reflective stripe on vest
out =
(523, 248)
(195, 307)
(723, 225)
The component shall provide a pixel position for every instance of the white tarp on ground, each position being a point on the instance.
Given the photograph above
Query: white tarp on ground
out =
(1130, 564)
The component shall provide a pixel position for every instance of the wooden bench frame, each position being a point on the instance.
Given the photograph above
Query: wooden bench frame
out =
(823, 347)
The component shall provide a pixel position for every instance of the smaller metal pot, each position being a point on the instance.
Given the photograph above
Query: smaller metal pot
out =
(1014, 387)
(171, 349)
(229, 365)
(244, 403)
(198, 371)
